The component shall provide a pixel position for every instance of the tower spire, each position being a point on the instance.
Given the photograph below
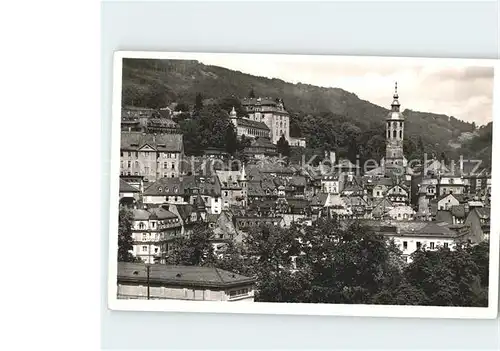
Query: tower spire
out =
(395, 103)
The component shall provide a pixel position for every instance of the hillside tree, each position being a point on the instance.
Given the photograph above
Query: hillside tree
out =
(125, 239)
(283, 147)
(194, 250)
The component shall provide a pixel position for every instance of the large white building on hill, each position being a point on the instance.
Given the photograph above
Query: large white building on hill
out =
(263, 114)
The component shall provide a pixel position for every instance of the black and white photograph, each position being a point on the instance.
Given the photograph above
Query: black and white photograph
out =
(315, 184)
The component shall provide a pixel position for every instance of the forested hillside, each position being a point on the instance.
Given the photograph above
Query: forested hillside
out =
(324, 116)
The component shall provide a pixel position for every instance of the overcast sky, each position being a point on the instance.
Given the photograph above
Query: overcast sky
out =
(440, 87)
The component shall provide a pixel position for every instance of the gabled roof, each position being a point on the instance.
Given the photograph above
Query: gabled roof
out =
(127, 188)
(161, 213)
(165, 186)
(459, 197)
(140, 215)
(134, 141)
(483, 212)
(184, 210)
(388, 182)
(382, 206)
(441, 229)
(162, 122)
(298, 181)
(180, 275)
(229, 179)
(319, 199)
(255, 189)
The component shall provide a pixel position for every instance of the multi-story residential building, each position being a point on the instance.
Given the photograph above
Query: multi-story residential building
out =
(380, 187)
(184, 190)
(152, 230)
(414, 235)
(139, 281)
(140, 119)
(450, 184)
(234, 188)
(478, 219)
(152, 156)
(330, 184)
(401, 213)
(136, 118)
(398, 195)
(260, 148)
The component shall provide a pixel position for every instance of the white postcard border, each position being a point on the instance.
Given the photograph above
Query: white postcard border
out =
(114, 303)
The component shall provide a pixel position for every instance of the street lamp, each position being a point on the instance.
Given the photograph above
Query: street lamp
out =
(148, 267)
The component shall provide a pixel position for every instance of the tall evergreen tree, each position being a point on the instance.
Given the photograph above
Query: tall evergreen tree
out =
(283, 147)
(125, 240)
(198, 103)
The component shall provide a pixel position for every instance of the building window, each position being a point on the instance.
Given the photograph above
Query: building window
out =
(445, 245)
(128, 164)
(394, 134)
(419, 245)
(173, 166)
(141, 225)
(400, 134)
(432, 245)
(164, 165)
(144, 249)
(405, 245)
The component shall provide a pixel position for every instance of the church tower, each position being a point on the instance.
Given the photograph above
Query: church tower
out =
(394, 161)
